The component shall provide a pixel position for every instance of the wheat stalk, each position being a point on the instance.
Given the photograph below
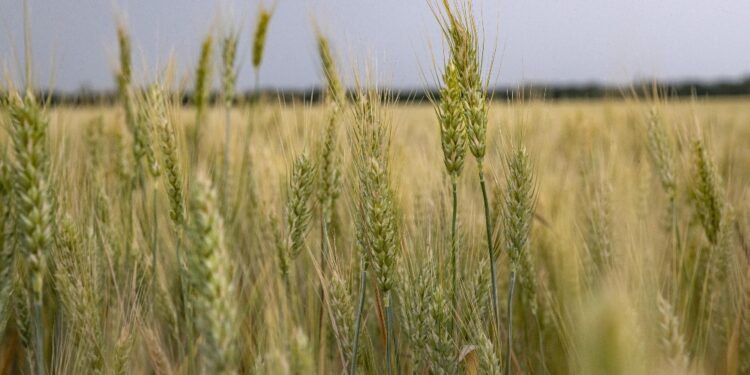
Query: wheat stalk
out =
(124, 76)
(518, 214)
(377, 222)
(414, 301)
(203, 77)
(707, 193)
(299, 211)
(229, 81)
(259, 42)
(328, 160)
(465, 92)
(453, 138)
(672, 341)
(341, 303)
(335, 90)
(6, 249)
(74, 276)
(160, 117)
(211, 280)
(33, 203)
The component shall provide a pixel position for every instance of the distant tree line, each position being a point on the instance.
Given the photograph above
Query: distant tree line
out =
(86, 97)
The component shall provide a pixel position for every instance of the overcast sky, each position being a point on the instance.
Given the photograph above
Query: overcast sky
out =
(552, 41)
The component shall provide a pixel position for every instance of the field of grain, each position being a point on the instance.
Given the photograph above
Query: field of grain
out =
(358, 235)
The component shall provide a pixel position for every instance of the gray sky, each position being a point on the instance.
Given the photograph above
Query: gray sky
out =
(560, 41)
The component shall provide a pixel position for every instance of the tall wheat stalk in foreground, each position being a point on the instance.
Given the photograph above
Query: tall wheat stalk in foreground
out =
(463, 113)
(710, 270)
(453, 140)
(33, 205)
(211, 280)
(329, 173)
(518, 215)
(377, 231)
(161, 118)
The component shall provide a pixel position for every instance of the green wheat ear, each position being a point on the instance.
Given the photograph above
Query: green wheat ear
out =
(661, 150)
(452, 125)
(259, 39)
(330, 174)
(160, 119)
(228, 68)
(335, 90)
(33, 203)
(707, 194)
(299, 211)
(203, 85)
(124, 76)
(463, 41)
(210, 275)
(518, 215)
(376, 223)
(341, 302)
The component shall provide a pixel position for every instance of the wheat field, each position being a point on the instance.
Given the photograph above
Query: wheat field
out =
(358, 235)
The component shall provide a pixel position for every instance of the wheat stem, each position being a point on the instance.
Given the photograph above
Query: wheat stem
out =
(203, 77)
(491, 253)
(509, 343)
(388, 335)
(154, 237)
(454, 245)
(321, 312)
(227, 138)
(395, 343)
(358, 319)
(38, 337)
